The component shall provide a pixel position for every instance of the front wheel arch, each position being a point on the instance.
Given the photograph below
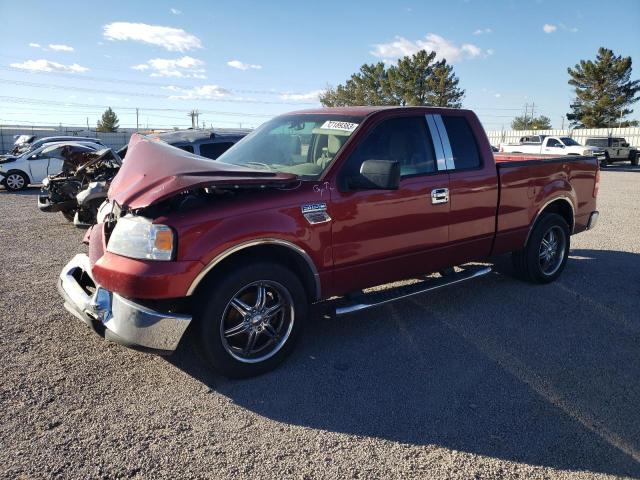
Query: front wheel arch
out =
(280, 252)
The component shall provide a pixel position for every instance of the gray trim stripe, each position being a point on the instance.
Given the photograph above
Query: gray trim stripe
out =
(437, 143)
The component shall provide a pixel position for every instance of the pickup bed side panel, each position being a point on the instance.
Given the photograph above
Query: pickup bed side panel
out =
(526, 187)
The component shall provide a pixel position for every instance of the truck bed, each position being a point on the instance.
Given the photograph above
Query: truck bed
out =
(528, 182)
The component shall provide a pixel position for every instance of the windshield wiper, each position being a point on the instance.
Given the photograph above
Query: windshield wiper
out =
(260, 164)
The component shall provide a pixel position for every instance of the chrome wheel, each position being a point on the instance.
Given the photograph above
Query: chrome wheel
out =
(15, 181)
(257, 321)
(552, 250)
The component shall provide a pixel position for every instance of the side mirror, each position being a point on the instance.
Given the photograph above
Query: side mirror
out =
(377, 175)
(561, 145)
(625, 145)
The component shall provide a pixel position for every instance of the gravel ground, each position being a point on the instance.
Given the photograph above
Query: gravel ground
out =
(493, 379)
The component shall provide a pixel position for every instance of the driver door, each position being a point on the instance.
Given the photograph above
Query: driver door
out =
(384, 235)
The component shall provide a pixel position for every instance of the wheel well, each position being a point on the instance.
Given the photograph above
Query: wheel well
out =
(563, 208)
(273, 252)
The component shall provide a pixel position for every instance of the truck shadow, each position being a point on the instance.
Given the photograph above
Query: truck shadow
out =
(541, 375)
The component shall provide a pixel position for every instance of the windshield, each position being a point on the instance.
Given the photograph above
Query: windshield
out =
(304, 145)
(569, 142)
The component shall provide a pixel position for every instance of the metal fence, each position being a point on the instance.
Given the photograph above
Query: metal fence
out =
(631, 134)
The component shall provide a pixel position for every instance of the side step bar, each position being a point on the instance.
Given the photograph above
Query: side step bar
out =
(375, 299)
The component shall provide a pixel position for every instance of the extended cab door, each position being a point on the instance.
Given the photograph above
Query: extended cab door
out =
(473, 188)
(385, 235)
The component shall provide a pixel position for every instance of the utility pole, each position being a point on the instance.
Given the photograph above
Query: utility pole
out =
(194, 114)
(562, 118)
(87, 124)
(137, 123)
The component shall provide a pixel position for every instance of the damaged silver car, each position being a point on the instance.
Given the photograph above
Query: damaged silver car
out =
(82, 185)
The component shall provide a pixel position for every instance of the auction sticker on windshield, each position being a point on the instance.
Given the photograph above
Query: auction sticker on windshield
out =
(336, 125)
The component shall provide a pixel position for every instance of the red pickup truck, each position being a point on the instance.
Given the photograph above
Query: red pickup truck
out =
(314, 205)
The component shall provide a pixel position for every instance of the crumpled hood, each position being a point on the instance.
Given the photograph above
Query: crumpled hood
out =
(154, 171)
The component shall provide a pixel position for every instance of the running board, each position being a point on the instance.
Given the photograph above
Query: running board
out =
(375, 299)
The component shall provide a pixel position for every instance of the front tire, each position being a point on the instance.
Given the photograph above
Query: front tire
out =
(544, 257)
(16, 180)
(250, 318)
(635, 159)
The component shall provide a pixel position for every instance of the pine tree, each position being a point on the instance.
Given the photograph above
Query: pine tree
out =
(443, 87)
(108, 122)
(413, 80)
(410, 78)
(604, 90)
(369, 86)
(526, 123)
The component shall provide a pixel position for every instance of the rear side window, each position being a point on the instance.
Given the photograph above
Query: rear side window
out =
(186, 148)
(214, 150)
(463, 143)
(552, 142)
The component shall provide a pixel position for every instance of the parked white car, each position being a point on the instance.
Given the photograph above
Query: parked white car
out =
(34, 166)
(548, 145)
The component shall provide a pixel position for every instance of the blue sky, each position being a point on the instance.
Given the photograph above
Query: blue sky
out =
(241, 62)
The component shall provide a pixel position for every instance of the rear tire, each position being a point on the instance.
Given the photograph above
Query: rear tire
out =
(544, 257)
(238, 334)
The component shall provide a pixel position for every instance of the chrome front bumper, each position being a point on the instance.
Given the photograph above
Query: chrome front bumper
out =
(114, 317)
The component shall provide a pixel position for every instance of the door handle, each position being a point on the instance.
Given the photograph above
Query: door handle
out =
(439, 195)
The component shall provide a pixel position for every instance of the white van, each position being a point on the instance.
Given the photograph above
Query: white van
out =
(36, 165)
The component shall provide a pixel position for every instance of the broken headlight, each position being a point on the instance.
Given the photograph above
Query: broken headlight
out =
(137, 237)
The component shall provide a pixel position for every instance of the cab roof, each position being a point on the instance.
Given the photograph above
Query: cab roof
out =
(365, 111)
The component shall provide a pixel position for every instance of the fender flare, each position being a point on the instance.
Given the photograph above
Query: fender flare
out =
(254, 243)
(564, 198)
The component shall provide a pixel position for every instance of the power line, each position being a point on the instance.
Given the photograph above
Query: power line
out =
(29, 101)
(140, 94)
(142, 83)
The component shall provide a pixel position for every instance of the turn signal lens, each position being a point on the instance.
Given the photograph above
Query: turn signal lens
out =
(164, 240)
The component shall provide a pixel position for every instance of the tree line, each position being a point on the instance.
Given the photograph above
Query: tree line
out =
(604, 91)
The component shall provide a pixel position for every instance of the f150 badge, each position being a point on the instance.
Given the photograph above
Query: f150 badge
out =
(315, 213)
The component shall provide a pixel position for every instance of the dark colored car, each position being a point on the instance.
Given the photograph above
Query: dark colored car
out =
(209, 143)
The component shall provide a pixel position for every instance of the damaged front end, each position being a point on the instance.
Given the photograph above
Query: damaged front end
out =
(133, 253)
(79, 190)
